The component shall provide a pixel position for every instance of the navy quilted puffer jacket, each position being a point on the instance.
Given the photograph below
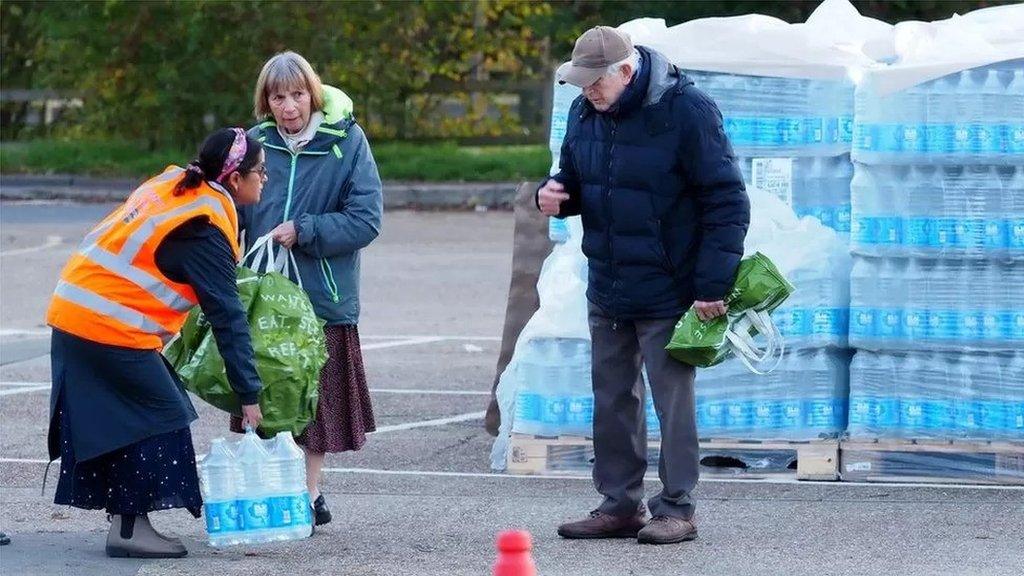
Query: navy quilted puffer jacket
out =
(662, 199)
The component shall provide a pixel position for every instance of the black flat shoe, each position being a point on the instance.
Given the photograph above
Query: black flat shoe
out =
(321, 513)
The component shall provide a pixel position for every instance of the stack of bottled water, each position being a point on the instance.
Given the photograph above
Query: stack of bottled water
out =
(938, 237)
(555, 397)
(792, 137)
(255, 491)
(804, 398)
(564, 94)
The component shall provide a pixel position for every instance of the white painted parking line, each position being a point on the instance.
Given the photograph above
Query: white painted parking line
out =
(439, 337)
(51, 241)
(415, 391)
(430, 423)
(40, 332)
(442, 337)
(23, 390)
(650, 476)
(409, 391)
(406, 342)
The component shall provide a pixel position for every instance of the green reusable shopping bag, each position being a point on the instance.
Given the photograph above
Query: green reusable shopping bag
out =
(288, 344)
(758, 290)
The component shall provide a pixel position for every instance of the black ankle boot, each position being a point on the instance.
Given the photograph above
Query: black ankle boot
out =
(321, 513)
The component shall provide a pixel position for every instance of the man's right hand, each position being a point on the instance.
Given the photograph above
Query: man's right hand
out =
(550, 198)
(252, 417)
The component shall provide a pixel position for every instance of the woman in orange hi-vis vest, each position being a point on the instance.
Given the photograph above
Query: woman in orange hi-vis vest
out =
(119, 416)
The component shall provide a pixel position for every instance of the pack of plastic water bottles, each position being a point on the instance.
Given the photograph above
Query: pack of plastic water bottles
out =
(937, 310)
(255, 491)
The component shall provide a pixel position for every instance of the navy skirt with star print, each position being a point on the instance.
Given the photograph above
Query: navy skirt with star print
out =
(156, 473)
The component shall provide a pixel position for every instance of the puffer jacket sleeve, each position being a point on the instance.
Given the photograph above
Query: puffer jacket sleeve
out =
(716, 183)
(357, 221)
(567, 175)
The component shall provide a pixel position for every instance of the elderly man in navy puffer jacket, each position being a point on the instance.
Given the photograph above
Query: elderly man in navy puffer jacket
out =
(647, 165)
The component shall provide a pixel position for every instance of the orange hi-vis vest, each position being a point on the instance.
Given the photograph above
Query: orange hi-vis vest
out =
(111, 291)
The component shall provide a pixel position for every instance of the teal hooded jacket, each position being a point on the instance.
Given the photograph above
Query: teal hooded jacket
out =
(332, 191)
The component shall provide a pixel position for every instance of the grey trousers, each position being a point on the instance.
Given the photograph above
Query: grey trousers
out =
(620, 430)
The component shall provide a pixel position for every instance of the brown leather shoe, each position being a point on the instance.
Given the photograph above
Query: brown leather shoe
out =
(667, 530)
(601, 525)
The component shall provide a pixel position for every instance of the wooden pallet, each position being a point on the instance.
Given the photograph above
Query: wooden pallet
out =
(814, 460)
(934, 461)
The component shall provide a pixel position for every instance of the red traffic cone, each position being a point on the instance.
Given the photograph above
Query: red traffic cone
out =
(514, 554)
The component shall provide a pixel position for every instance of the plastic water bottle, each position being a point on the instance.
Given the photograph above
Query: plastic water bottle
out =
(558, 229)
(1013, 104)
(291, 515)
(992, 133)
(863, 302)
(874, 408)
(941, 116)
(579, 405)
(1013, 395)
(968, 116)
(219, 483)
(916, 321)
(914, 113)
(1013, 208)
(254, 492)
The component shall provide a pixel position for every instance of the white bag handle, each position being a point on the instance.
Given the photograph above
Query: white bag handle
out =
(264, 259)
(749, 352)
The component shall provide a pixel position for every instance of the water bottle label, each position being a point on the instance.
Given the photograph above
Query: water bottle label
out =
(994, 416)
(791, 414)
(913, 138)
(842, 218)
(1015, 417)
(287, 511)
(986, 139)
(580, 411)
(969, 233)
(791, 131)
(940, 138)
(890, 138)
(995, 236)
(765, 415)
(864, 230)
(961, 138)
(890, 324)
(938, 414)
(737, 415)
(527, 407)
(863, 411)
(862, 322)
(1015, 228)
(890, 231)
(1015, 323)
(846, 129)
(971, 326)
(888, 412)
(553, 411)
(943, 324)
(1015, 139)
(943, 233)
(742, 131)
(792, 322)
(255, 513)
(830, 321)
(823, 413)
(992, 326)
(774, 175)
(825, 215)
(917, 232)
(222, 517)
(912, 413)
(710, 414)
(558, 229)
(916, 324)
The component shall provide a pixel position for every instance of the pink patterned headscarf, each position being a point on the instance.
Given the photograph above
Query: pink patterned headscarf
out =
(235, 155)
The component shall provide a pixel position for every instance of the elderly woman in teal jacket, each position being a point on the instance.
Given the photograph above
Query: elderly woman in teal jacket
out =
(323, 201)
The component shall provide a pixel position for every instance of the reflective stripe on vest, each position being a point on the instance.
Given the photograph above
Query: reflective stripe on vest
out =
(93, 301)
(112, 290)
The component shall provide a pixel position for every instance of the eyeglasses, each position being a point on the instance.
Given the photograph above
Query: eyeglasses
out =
(261, 170)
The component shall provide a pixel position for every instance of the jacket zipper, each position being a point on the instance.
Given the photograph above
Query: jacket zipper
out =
(326, 273)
